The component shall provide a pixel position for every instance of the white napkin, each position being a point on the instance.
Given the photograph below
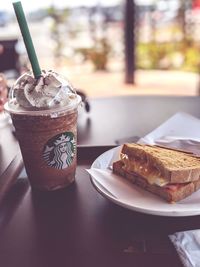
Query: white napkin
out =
(181, 126)
(181, 131)
(187, 245)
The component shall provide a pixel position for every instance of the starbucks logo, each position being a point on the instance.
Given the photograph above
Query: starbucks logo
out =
(59, 151)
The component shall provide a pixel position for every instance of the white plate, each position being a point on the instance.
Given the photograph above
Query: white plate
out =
(130, 196)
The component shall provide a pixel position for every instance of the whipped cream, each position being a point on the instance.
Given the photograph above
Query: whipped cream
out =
(46, 92)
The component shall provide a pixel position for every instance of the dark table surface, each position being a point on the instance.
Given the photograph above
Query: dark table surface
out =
(77, 226)
(117, 118)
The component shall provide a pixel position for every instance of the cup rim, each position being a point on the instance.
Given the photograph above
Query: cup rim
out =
(45, 112)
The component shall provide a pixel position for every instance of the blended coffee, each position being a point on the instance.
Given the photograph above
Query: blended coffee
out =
(44, 113)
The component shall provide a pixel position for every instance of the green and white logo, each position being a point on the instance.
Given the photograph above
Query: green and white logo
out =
(59, 151)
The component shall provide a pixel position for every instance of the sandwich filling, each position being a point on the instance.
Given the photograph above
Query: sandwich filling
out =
(151, 174)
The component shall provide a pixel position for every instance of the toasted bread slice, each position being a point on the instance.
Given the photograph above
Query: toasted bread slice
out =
(172, 194)
(174, 165)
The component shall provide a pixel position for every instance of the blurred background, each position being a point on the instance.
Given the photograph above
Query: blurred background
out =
(109, 47)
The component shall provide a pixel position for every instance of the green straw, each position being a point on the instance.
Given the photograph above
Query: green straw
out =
(27, 38)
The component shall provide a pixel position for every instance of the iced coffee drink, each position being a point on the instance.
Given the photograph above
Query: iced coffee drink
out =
(44, 113)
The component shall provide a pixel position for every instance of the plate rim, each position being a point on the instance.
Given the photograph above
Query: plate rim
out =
(116, 201)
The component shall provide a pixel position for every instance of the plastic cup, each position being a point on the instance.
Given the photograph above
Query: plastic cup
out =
(47, 140)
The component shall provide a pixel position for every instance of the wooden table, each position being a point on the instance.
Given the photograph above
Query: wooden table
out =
(77, 226)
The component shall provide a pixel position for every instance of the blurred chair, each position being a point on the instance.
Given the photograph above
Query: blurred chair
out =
(9, 58)
(84, 99)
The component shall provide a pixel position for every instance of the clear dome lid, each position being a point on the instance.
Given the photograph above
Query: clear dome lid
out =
(49, 92)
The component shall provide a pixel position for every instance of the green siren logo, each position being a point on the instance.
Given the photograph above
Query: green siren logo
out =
(59, 151)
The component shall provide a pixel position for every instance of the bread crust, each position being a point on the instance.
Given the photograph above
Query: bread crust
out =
(172, 175)
(170, 196)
